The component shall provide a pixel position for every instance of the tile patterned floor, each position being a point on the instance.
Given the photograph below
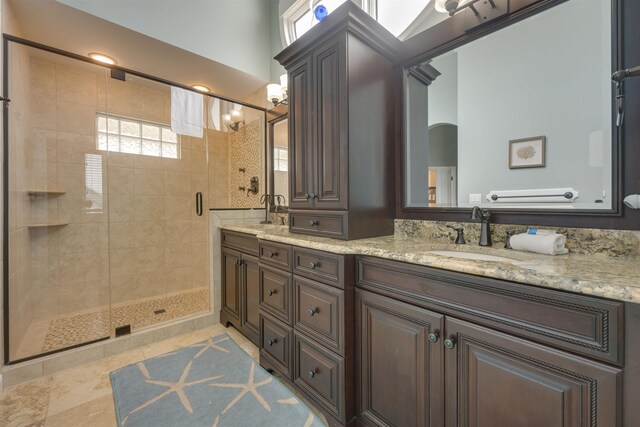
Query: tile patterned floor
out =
(82, 396)
(69, 330)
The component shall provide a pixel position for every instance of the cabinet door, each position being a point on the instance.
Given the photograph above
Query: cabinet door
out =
(250, 288)
(331, 125)
(301, 142)
(494, 380)
(231, 283)
(400, 372)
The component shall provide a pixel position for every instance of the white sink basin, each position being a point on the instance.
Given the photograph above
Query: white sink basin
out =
(472, 256)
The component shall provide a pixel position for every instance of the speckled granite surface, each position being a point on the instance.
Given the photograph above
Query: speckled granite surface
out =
(611, 277)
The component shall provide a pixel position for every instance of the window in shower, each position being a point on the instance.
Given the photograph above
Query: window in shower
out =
(126, 135)
(93, 183)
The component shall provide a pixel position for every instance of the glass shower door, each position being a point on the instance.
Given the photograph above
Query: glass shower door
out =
(158, 218)
(58, 259)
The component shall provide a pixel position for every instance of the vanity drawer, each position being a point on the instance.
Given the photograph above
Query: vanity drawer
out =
(319, 224)
(246, 243)
(321, 266)
(319, 373)
(276, 343)
(319, 312)
(275, 293)
(578, 323)
(275, 254)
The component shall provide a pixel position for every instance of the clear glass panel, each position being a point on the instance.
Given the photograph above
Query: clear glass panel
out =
(58, 223)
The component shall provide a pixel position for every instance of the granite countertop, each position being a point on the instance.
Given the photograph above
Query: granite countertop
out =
(615, 278)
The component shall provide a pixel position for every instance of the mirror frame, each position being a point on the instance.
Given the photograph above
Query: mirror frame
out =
(270, 171)
(451, 34)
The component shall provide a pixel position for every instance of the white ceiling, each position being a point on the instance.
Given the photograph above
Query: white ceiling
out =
(54, 24)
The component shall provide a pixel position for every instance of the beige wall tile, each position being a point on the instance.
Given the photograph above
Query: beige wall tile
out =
(74, 118)
(149, 233)
(80, 267)
(149, 208)
(178, 184)
(78, 85)
(199, 230)
(80, 296)
(80, 238)
(120, 180)
(122, 262)
(121, 208)
(177, 232)
(179, 207)
(148, 162)
(148, 182)
(149, 259)
(43, 145)
(177, 256)
(72, 148)
(71, 177)
(121, 235)
(179, 279)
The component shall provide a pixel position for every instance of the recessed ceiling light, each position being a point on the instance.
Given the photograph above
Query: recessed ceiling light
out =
(102, 58)
(201, 88)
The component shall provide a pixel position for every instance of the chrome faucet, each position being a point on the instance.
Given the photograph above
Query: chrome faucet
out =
(485, 231)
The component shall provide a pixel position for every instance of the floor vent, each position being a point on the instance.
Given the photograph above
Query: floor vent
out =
(162, 310)
(123, 330)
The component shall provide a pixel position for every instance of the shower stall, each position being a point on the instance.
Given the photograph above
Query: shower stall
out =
(106, 209)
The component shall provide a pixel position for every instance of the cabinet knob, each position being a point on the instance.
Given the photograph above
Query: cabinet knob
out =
(312, 265)
(272, 254)
(271, 292)
(314, 222)
(312, 373)
(307, 196)
(312, 311)
(450, 343)
(312, 196)
(272, 342)
(433, 336)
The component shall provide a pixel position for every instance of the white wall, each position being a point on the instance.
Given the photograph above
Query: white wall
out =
(548, 75)
(233, 32)
(443, 91)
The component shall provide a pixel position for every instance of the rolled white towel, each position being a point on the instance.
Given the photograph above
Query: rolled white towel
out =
(548, 244)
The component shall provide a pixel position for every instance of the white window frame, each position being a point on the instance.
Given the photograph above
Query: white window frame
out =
(277, 152)
(160, 126)
(300, 7)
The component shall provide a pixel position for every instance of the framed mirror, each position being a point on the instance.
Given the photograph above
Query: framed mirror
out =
(279, 163)
(518, 120)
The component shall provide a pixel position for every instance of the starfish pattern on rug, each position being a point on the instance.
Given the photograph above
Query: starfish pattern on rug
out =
(206, 345)
(249, 387)
(172, 387)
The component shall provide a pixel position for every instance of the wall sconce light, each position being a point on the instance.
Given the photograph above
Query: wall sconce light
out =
(277, 93)
(234, 119)
(454, 6)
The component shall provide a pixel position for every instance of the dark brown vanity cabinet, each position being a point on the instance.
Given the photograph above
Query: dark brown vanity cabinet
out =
(240, 284)
(423, 360)
(341, 127)
(307, 324)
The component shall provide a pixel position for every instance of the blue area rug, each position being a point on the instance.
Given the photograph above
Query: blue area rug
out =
(212, 383)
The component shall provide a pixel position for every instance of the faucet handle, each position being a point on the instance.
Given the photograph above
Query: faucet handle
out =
(460, 237)
(507, 240)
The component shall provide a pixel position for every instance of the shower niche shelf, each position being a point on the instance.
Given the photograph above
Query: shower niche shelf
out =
(45, 193)
(48, 224)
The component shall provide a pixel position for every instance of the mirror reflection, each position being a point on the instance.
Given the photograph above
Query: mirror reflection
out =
(280, 162)
(520, 118)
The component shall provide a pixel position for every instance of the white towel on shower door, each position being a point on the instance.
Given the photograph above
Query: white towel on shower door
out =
(186, 112)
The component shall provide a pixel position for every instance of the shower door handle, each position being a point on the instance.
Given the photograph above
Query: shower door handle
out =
(199, 203)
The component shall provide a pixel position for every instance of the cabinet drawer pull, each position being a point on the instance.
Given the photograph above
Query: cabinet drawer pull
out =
(312, 265)
(272, 342)
(450, 343)
(433, 336)
(314, 222)
(270, 292)
(312, 373)
(312, 311)
(272, 254)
